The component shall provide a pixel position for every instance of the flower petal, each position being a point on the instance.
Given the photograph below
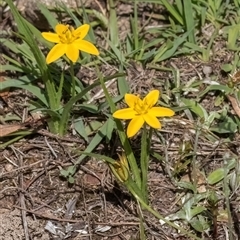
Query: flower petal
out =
(56, 52)
(152, 121)
(61, 28)
(51, 37)
(126, 113)
(134, 126)
(152, 98)
(72, 52)
(131, 99)
(161, 112)
(82, 31)
(85, 46)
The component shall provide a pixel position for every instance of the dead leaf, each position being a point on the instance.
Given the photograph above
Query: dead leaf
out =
(4, 93)
(222, 216)
(201, 181)
(235, 105)
(7, 129)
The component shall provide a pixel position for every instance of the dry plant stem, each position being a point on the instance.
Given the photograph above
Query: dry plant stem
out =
(86, 212)
(141, 227)
(113, 31)
(57, 137)
(22, 203)
(100, 93)
(166, 161)
(194, 171)
(226, 193)
(235, 104)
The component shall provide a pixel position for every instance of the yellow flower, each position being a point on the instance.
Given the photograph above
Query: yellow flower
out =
(69, 41)
(141, 111)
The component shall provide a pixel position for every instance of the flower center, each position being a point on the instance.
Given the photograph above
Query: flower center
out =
(141, 107)
(67, 36)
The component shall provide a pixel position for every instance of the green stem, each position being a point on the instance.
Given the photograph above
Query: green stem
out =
(72, 78)
(123, 138)
(59, 92)
(144, 162)
(52, 99)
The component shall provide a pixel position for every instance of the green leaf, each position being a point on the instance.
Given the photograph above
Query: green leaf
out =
(80, 128)
(88, 107)
(12, 46)
(195, 211)
(109, 130)
(68, 174)
(233, 35)
(173, 11)
(104, 21)
(175, 45)
(199, 225)
(227, 67)
(51, 113)
(71, 179)
(100, 135)
(123, 85)
(116, 51)
(189, 19)
(221, 88)
(215, 176)
(228, 126)
(19, 135)
(36, 91)
(21, 83)
(48, 15)
(28, 36)
(196, 108)
(10, 67)
(92, 127)
(105, 105)
(186, 185)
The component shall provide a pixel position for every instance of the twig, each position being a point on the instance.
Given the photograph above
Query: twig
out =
(50, 147)
(100, 93)
(75, 221)
(86, 212)
(22, 202)
(54, 136)
(235, 104)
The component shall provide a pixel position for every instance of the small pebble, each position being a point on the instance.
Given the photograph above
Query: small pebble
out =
(8, 167)
(207, 70)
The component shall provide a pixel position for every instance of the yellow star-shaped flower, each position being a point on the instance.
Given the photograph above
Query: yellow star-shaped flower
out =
(141, 111)
(69, 41)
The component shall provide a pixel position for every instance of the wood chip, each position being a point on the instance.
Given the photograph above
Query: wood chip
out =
(7, 129)
(235, 104)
